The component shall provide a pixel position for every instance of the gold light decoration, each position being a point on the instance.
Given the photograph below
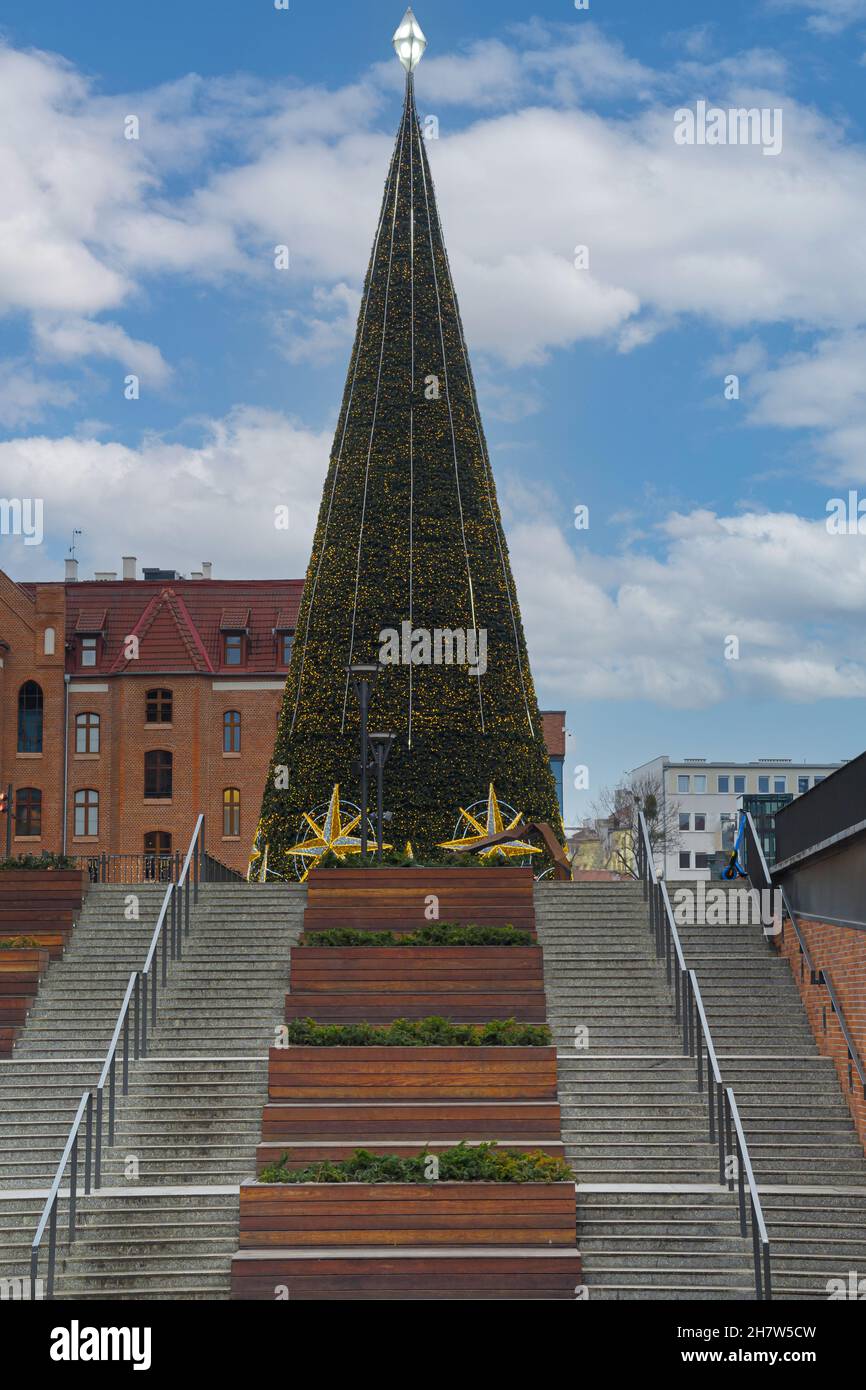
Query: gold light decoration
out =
(495, 824)
(332, 836)
(257, 869)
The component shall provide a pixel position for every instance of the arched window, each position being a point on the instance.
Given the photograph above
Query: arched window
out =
(87, 812)
(87, 732)
(231, 812)
(157, 774)
(158, 707)
(30, 718)
(28, 811)
(232, 731)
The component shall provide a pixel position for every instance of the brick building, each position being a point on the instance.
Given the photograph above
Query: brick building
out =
(168, 691)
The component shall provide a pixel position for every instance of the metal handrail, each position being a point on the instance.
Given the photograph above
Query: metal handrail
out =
(817, 974)
(698, 1038)
(177, 896)
(854, 1058)
(746, 1176)
(49, 1211)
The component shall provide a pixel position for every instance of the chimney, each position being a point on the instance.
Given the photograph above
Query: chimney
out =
(196, 574)
(206, 569)
(105, 576)
(71, 575)
(129, 567)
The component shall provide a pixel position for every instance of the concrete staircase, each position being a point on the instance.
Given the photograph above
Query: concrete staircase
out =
(165, 1218)
(808, 1161)
(653, 1222)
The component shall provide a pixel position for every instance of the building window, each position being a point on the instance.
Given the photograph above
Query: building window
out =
(685, 859)
(780, 785)
(285, 641)
(724, 783)
(701, 783)
(87, 732)
(763, 786)
(233, 649)
(685, 820)
(48, 641)
(87, 651)
(232, 731)
(28, 811)
(739, 786)
(157, 855)
(158, 707)
(802, 784)
(702, 861)
(87, 812)
(30, 718)
(726, 825)
(683, 782)
(816, 780)
(700, 821)
(157, 774)
(231, 812)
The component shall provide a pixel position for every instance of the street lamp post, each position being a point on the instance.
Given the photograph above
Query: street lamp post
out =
(380, 745)
(364, 678)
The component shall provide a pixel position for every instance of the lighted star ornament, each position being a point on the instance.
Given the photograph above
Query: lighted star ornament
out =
(409, 41)
(331, 836)
(510, 849)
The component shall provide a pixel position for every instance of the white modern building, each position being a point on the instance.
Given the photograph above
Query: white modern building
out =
(702, 798)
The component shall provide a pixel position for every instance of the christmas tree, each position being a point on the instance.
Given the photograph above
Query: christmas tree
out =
(409, 563)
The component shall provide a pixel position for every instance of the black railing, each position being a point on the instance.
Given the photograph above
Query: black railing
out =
(829, 809)
(137, 1012)
(722, 1115)
(152, 868)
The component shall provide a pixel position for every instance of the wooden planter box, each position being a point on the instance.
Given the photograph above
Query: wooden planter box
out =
(397, 899)
(42, 903)
(411, 1073)
(437, 1213)
(466, 984)
(378, 1275)
(389, 1241)
(20, 972)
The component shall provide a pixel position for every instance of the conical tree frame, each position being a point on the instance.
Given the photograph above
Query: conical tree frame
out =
(409, 531)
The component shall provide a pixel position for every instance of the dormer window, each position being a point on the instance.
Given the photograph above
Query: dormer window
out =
(235, 633)
(87, 651)
(284, 637)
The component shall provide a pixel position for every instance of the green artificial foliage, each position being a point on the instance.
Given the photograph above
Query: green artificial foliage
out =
(409, 530)
(484, 1162)
(19, 943)
(437, 934)
(418, 1032)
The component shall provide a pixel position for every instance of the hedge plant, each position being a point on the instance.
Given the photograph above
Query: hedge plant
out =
(484, 1162)
(418, 1032)
(34, 862)
(436, 934)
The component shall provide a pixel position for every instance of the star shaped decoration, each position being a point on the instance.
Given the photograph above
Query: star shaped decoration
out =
(511, 849)
(332, 835)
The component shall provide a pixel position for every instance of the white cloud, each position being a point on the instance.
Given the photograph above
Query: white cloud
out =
(69, 340)
(25, 398)
(640, 626)
(314, 338)
(825, 16)
(223, 492)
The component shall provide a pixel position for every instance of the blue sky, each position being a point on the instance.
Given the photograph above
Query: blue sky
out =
(602, 387)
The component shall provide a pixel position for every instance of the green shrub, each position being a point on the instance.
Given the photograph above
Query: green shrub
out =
(436, 934)
(419, 1032)
(18, 943)
(477, 1163)
(395, 859)
(33, 862)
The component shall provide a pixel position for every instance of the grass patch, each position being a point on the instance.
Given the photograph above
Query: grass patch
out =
(418, 1032)
(436, 934)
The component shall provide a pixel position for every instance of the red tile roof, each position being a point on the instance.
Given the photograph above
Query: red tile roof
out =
(178, 623)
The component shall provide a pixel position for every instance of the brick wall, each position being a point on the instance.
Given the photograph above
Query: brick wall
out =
(842, 952)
